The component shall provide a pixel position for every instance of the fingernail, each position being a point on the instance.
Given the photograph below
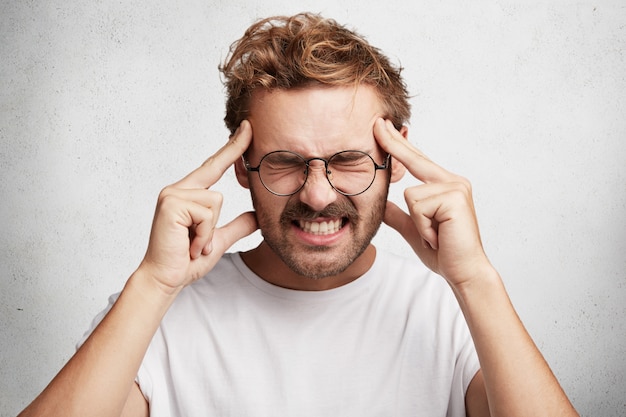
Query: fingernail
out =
(242, 124)
(208, 248)
(236, 131)
(428, 245)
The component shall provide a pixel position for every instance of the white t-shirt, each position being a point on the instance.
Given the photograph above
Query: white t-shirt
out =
(391, 343)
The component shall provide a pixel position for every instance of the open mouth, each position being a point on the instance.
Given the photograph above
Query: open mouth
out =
(326, 227)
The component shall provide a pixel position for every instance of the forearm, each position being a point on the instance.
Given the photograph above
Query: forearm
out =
(97, 380)
(517, 379)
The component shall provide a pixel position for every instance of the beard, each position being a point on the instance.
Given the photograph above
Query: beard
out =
(315, 261)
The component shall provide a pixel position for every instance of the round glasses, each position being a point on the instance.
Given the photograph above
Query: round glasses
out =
(284, 173)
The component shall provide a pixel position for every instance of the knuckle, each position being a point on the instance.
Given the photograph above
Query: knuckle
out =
(213, 199)
(458, 194)
(463, 185)
(218, 198)
(166, 193)
(409, 193)
(210, 216)
(414, 205)
(166, 200)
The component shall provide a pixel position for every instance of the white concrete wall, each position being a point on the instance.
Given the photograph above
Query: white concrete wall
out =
(103, 103)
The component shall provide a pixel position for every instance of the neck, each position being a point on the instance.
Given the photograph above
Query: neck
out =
(266, 264)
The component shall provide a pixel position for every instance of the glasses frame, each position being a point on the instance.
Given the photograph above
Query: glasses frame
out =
(306, 161)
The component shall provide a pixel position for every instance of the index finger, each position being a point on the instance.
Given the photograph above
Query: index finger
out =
(412, 158)
(214, 167)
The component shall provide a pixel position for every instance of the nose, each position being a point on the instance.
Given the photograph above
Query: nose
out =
(317, 192)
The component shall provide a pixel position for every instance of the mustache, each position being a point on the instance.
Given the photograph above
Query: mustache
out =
(300, 211)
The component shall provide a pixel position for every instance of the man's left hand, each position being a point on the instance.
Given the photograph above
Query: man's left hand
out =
(441, 226)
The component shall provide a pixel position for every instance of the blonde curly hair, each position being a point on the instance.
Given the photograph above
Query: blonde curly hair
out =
(306, 49)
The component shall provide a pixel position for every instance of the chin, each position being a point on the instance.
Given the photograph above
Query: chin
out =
(318, 262)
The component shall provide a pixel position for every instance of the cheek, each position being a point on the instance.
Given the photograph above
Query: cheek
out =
(371, 206)
(268, 207)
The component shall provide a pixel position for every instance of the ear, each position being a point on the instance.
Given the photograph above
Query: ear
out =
(241, 173)
(397, 168)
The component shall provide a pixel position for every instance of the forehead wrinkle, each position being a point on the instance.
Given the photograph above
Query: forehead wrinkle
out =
(313, 128)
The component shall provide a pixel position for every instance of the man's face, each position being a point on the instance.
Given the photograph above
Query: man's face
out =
(317, 232)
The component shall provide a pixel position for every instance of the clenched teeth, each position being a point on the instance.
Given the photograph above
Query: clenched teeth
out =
(321, 228)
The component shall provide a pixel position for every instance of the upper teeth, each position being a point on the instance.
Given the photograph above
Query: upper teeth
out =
(321, 228)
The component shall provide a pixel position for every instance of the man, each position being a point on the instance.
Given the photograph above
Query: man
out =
(315, 320)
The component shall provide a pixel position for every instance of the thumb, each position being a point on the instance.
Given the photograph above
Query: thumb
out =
(401, 222)
(238, 228)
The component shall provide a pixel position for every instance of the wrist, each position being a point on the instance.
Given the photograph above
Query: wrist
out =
(144, 283)
(483, 281)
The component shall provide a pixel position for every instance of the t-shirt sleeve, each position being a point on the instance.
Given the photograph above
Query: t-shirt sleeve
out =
(97, 319)
(466, 367)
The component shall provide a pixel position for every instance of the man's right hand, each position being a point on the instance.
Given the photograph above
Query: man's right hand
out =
(185, 243)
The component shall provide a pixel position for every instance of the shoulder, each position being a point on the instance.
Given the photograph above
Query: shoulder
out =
(224, 274)
(393, 261)
(407, 278)
(402, 270)
(225, 278)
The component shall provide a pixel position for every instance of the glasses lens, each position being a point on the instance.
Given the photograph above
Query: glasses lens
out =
(282, 172)
(351, 172)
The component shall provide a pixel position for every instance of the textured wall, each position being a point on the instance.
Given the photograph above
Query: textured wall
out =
(103, 103)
